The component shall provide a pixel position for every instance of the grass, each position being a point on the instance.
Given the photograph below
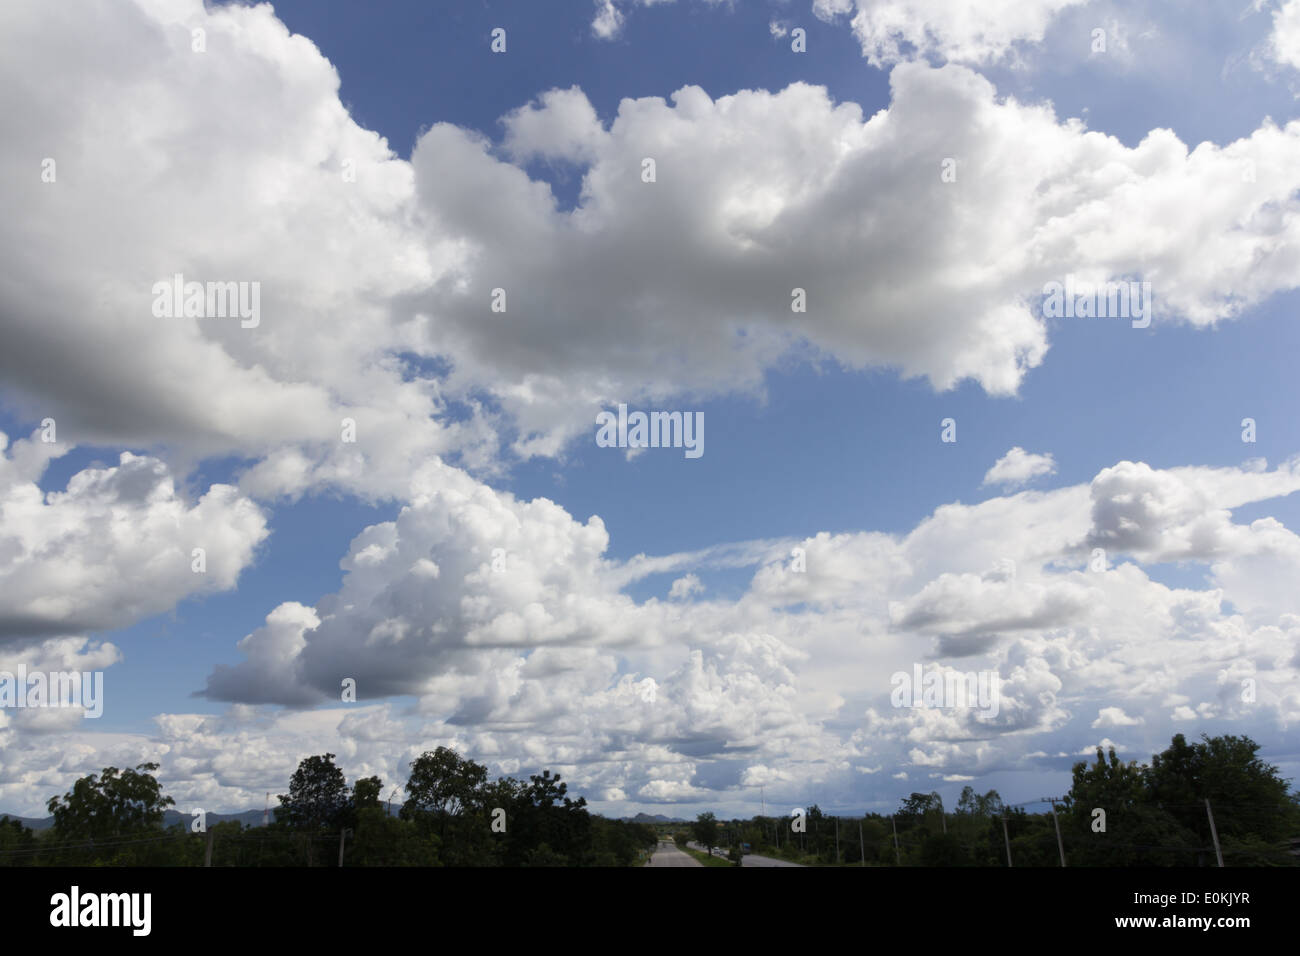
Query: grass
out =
(704, 857)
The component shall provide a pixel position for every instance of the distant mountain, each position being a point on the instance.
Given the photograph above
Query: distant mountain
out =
(652, 818)
(32, 823)
(249, 818)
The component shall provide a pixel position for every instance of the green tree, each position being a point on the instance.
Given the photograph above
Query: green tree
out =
(17, 843)
(1247, 795)
(442, 782)
(944, 849)
(977, 825)
(706, 830)
(383, 840)
(547, 817)
(1137, 832)
(317, 801)
(112, 804)
(366, 793)
(921, 810)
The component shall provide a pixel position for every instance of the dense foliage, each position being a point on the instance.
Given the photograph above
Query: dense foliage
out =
(1116, 814)
(454, 816)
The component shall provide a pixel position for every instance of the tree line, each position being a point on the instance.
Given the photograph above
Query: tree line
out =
(453, 816)
(1116, 813)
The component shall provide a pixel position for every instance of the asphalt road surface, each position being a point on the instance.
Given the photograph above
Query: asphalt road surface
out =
(750, 859)
(666, 854)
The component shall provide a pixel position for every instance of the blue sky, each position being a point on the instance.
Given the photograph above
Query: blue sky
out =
(823, 430)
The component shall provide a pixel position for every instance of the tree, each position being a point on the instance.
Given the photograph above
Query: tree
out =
(1136, 831)
(443, 782)
(944, 849)
(366, 793)
(706, 830)
(1248, 796)
(17, 843)
(383, 840)
(547, 817)
(1115, 787)
(317, 800)
(113, 804)
(449, 795)
(921, 809)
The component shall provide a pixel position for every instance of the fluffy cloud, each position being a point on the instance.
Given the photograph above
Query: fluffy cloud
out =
(235, 164)
(1018, 467)
(608, 20)
(547, 662)
(378, 276)
(114, 547)
(505, 619)
(966, 31)
(757, 194)
(1285, 40)
(1109, 717)
(975, 31)
(1186, 514)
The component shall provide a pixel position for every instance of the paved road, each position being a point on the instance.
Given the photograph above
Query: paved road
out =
(753, 859)
(666, 854)
(750, 859)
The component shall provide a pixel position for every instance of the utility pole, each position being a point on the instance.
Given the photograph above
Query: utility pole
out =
(343, 836)
(1007, 838)
(1213, 832)
(1059, 845)
(861, 846)
(207, 854)
(898, 856)
(837, 841)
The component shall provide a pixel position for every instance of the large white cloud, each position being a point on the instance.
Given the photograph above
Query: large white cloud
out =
(548, 663)
(240, 163)
(646, 290)
(116, 546)
(228, 164)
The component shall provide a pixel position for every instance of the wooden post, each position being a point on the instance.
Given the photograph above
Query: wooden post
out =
(1007, 837)
(1213, 832)
(1059, 845)
(898, 856)
(207, 856)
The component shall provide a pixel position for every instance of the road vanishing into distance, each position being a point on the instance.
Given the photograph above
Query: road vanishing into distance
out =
(667, 854)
